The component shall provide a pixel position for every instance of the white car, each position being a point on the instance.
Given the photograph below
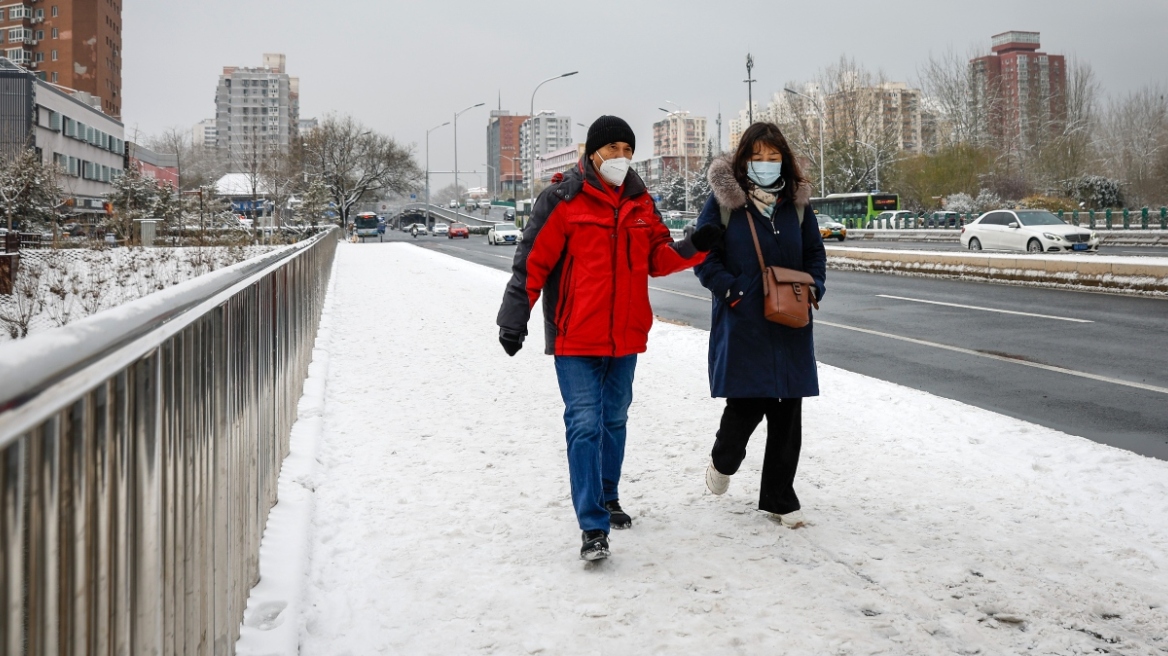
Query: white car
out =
(504, 233)
(441, 229)
(419, 228)
(1033, 231)
(484, 204)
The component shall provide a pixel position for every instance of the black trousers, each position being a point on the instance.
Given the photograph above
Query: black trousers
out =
(784, 440)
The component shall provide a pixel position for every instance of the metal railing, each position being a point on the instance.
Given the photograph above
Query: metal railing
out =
(139, 455)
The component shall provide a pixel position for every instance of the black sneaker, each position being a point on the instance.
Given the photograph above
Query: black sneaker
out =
(617, 518)
(595, 546)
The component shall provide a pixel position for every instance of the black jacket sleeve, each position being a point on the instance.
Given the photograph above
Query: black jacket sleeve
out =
(518, 299)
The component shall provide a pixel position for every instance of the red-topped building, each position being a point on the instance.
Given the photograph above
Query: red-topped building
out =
(1020, 87)
(76, 44)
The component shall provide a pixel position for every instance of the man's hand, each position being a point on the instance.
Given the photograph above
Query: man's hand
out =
(511, 342)
(706, 237)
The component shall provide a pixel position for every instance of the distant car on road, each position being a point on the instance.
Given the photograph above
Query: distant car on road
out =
(458, 230)
(453, 204)
(504, 233)
(484, 204)
(672, 214)
(418, 229)
(1033, 231)
(829, 228)
(441, 229)
(509, 216)
(943, 220)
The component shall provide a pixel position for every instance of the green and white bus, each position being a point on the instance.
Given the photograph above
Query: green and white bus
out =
(855, 210)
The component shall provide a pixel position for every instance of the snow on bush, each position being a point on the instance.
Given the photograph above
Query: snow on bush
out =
(55, 287)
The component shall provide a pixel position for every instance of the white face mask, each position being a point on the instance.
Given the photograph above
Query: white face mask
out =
(614, 170)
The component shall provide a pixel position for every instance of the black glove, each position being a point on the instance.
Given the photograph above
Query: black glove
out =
(706, 237)
(511, 343)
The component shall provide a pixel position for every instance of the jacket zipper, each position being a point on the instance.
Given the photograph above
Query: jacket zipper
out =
(612, 312)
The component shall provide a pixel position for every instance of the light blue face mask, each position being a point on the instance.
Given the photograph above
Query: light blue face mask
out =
(764, 174)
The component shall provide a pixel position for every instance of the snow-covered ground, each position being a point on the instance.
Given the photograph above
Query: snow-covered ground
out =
(433, 468)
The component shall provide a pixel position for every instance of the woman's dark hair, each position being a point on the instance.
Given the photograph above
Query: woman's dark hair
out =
(769, 134)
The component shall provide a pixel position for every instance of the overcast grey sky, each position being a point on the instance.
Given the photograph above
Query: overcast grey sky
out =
(403, 67)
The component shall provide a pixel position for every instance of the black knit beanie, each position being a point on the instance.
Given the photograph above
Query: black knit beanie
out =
(606, 130)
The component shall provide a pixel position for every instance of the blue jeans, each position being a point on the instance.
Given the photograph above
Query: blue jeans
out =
(597, 392)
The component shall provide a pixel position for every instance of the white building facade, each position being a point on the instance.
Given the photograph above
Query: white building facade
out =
(550, 133)
(85, 144)
(257, 110)
(557, 161)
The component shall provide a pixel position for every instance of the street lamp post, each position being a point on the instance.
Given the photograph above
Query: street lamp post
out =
(750, 87)
(428, 170)
(493, 173)
(876, 153)
(822, 120)
(457, 194)
(684, 147)
(531, 118)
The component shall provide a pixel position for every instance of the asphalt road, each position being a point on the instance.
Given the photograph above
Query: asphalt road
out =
(1088, 364)
(954, 246)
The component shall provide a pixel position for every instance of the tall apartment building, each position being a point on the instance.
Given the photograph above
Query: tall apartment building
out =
(551, 133)
(680, 134)
(74, 43)
(205, 134)
(503, 153)
(84, 143)
(257, 110)
(888, 111)
(1018, 87)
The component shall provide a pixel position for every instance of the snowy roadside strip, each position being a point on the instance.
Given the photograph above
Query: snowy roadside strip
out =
(272, 618)
(1141, 276)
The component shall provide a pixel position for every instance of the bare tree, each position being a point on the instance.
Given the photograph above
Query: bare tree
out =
(1135, 142)
(356, 164)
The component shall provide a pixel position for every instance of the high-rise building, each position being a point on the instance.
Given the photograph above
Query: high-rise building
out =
(503, 153)
(257, 111)
(551, 133)
(680, 134)
(205, 134)
(74, 43)
(889, 112)
(1019, 88)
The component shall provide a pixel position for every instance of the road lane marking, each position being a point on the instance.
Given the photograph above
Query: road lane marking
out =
(671, 291)
(984, 309)
(966, 351)
(999, 358)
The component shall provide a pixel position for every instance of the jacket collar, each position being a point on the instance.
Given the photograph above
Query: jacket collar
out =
(584, 175)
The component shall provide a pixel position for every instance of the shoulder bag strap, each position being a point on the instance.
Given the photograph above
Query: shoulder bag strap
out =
(766, 288)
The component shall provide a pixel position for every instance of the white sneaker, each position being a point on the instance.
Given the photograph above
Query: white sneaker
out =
(716, 480)
(792, 519)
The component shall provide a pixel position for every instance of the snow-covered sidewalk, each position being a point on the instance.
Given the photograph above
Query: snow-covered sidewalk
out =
(442, 522)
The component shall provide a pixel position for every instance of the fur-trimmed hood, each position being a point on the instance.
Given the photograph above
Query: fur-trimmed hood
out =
(730, 194)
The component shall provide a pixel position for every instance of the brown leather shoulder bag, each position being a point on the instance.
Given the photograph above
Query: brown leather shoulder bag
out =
(787, 297)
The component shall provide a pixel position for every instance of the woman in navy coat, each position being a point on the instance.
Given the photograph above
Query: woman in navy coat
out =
(760, 367)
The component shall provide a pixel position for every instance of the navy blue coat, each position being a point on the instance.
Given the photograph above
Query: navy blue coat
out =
(751, 357)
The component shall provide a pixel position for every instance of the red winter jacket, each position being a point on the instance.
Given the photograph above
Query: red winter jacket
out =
(590, 253)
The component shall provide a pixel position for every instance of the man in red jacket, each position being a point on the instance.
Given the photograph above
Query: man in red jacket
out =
(592, 242)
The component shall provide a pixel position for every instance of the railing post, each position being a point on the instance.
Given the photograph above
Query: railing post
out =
(1144, 218)
(1126, 219)
(1107, 213)
(1164, 218)
(1075, 215)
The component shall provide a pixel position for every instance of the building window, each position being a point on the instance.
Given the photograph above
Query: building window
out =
(39, 57)
(54, 55)
(40, 13)
(56, 34)
(54, 78)
(40, 35)
(54, 12)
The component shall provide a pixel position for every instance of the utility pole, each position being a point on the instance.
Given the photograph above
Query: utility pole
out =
(749, 88)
